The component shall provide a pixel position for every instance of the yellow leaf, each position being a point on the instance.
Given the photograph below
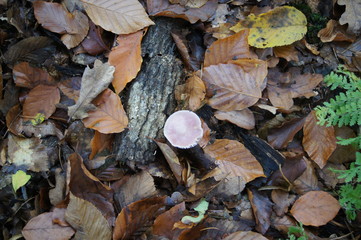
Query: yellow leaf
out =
(39, 118)
(279, 27)
(19, 179)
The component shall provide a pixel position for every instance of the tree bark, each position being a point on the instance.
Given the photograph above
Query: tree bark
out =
(151, 95)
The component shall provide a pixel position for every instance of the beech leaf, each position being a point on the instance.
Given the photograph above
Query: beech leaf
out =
(234, 159)
(119, 17)
(27, 76)
(315, 208)
(93, 82)
(109, 115)
(126, 58)
(242, 118)
(278, 27)
(245, 235)
(319, 141)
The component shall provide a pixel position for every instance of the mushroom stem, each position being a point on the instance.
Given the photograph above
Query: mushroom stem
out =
(199, 158)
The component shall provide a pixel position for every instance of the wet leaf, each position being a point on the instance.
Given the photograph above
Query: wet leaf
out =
(87, 220)
(41, 99)
(319, 141)
(315, 208)
(231, 87)
(278, 27)
(19, 179)
(137, 216)
(86, 186)
(123, 17)
(126, 58)
(109, 115)
(164, 8)
(230, 48)
(245, 236)
(234, 159)
(49, 225)
(94, 81)
(100, 142)
(242, 118)
(27, 76)
(164, 223)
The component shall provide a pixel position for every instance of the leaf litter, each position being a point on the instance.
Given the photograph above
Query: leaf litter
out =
(262, 165)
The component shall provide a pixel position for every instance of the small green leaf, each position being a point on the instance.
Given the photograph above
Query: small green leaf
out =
(19, 179)
(201, 209)
(39, 118)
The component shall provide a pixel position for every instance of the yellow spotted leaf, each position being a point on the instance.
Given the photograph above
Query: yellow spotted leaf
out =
(278, 27)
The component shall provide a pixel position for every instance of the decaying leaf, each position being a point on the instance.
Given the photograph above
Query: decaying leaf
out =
(49, 225)
(287, 52)
(230, 48)
(41, 99)
(245, 235)
(315, 208)
(27, 76)
(109, 115)
(319, 141)
(232, 87)
(100, 142)
(192, 93)
(164, 8)
(126, 58)
(94, 81)
(137, 216)
(87, 220)
(29, 152)
(262, 209)
(242, 118)
(234, 159)
(352, 15)
(278, 27)
(334, 32)
(122, 17)
(54, 17)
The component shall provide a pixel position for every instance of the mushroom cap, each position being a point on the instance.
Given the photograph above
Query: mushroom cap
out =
(183, 129)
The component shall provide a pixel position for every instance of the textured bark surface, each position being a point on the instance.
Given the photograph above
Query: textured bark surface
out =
(151, 95)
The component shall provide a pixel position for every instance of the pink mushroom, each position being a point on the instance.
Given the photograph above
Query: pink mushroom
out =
(183, 129)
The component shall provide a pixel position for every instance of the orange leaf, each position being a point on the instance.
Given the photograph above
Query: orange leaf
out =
(287, 52)
(109, 115)
(100, 142)
(315, 208)
(319, 141)
(126, 58)
(334, 32)
(41, 99)
(232, 87)
(230, 48)
(54, 17)
(27, 76)
(233, 158)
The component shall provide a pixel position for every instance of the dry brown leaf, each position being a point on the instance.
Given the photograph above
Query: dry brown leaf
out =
(100, 142)
(164, 8)
(242, 118)
(248, 235)
(109, 115)
(54, 17)
(41, 99)
(87, 220)
(71, 87)
(86, 186)
(319, 141)
(172, 160)
(126, 58)
(94, 43)
(233, 158)
(30, 152)
(282, 201)
(231, 87)
(262, 209)
(137, 216)
(27, 76)
(137, 187)
(308, 181)
(45, 226)
(230, 48)
(288, 52)
(119, 17)
(93, 82)
(164, 223)
(334, 32)
(352, 15)
(283, 87)
(315, 208)
(192, 93)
